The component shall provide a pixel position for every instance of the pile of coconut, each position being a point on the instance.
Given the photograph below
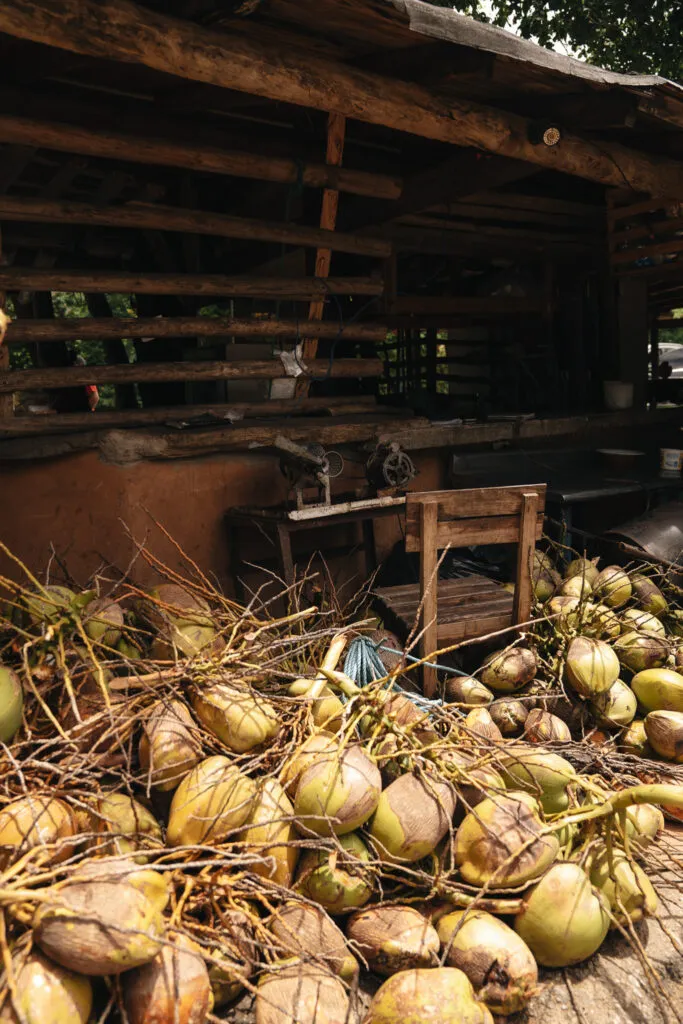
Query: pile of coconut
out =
(203, 803)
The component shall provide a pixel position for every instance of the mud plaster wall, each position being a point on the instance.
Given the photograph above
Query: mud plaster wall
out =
(84, 508)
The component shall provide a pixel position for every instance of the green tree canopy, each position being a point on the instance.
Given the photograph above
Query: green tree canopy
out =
(624, 35)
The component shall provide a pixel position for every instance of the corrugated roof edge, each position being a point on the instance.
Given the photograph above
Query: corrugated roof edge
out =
(442, 23)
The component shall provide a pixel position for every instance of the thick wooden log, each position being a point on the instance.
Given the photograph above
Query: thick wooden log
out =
(14, 279)
(60, 423)
(246, 369)
(70, 138)
(23, 332)
(198, 222)
(121, 30)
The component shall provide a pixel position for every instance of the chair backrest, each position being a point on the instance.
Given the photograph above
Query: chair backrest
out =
(481, 515)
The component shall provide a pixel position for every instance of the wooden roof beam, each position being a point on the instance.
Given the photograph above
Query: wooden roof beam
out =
(121, 30)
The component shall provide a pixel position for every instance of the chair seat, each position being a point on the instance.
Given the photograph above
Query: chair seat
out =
(469, 607)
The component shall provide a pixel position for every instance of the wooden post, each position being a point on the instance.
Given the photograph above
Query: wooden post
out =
(6, 402)
(336, 132)
(429, 584)
(525, 552)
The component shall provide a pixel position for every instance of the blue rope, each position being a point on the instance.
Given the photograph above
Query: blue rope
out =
(363, 665)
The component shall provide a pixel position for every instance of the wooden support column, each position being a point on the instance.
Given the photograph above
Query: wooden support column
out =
(6, 402)
(336, 132)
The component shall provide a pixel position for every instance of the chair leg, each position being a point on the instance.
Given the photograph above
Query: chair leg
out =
(429, 585)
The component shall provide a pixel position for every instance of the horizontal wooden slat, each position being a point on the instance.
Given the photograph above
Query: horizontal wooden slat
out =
(59, 423)
(21, 332)
(453, 607)
(466, 584)
(169, 218)
(469, 504)
(463, 533)
(467, 628)
(72, 138)
(100, 281)
(266, 369)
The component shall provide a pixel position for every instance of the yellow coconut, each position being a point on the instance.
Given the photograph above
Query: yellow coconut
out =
(104, 621)
(500, 842)
(659, 689)
(508, 670)
(413, 815)
(592, 666)
(564, 920)
(496, 960)
(586, 568)
(649, 596)
(644, 822)
(271, 834)
(337, 793)
(443, 995)
(633, 739)
(327, 710)
(337, 878)
(664, 730)
(212, 802)
(37, 822)
(305, 930)
(616, 707)
(242, 720)
(576, 586)
(173, 988)
(641, 621)
(169, 747)
(294, 993)
(393, 938)
(105, 919)
(47, 993)
(11, 703)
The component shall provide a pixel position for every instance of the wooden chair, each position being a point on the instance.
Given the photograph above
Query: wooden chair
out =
(461, 609)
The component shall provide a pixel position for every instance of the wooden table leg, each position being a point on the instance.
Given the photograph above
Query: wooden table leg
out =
(285, 553)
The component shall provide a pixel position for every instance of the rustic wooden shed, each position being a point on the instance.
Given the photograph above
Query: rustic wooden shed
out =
(333, 221)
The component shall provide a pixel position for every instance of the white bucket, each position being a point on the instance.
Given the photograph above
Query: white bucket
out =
(618, 394)
(670, 461)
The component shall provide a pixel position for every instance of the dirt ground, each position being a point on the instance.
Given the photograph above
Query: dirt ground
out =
(612, 987)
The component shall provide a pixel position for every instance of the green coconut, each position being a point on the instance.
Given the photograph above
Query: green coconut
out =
(544, 727)
(338, 879)
(641, 651)
(479, 723)
(442, 995)
(624, 884)
(508, 670)
(308, 752)
(612, 586)
(49, 604)
(509, 715)
(413, 815)
(564, 919)
(47, 993)
(633, 739)
(566, 612)
(173, 603)
(592, 667)
(635, 619)
(601, 622)
(466, 690)
(576, 586)
(616, 707)
(393, 938)
(169, 747)
(123, 825)
(586, 568)
(664, 730)
(659, 689)
(541, 773)
(649, 596)
(337, 793)
(496, 960)
(104, 621)
(644, 823)
(500, 842)
(11, 703)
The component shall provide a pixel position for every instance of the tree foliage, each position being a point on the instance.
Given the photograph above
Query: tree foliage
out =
(624, 35)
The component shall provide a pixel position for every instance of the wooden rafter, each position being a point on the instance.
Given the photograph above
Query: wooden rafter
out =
(121, 30)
